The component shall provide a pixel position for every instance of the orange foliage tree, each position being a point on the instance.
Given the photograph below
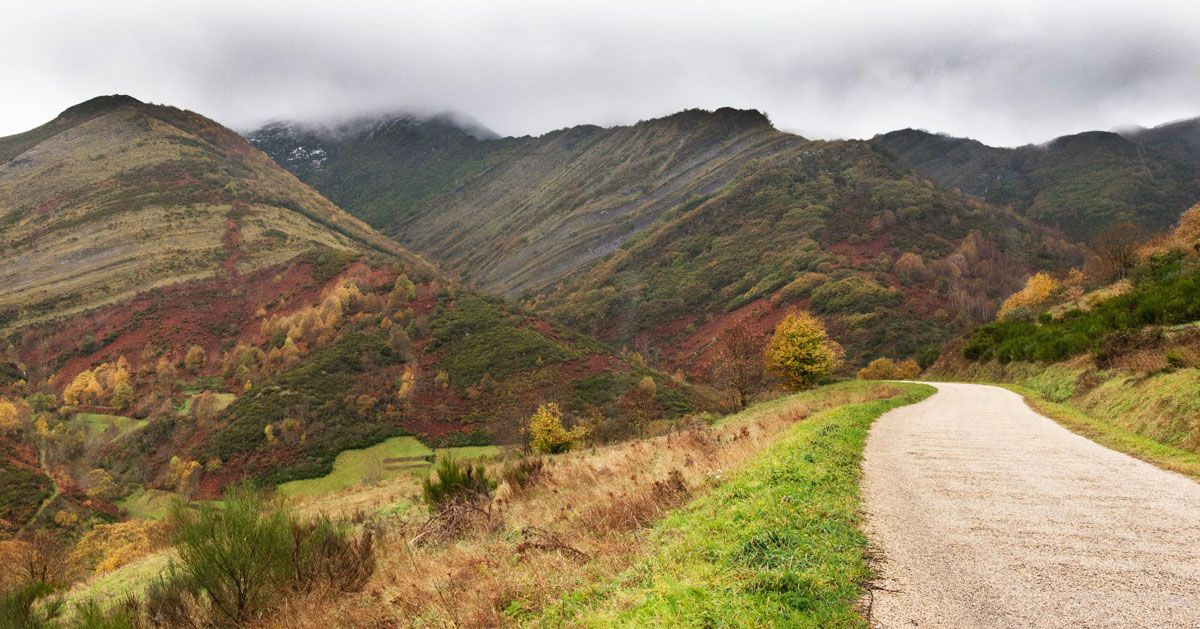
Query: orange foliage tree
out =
(1038, 290)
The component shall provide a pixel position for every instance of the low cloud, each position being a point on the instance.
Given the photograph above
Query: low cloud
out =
(1010, 74)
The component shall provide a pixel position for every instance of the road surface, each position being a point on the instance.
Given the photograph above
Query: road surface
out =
(983, 513)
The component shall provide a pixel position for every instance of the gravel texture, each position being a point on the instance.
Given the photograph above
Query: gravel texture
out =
(982, 513)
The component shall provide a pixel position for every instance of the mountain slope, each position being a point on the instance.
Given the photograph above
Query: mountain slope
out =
(116, 196)
(184, 314)
(890, 261)
(1078, 183)
(660, 234)
(518, 214)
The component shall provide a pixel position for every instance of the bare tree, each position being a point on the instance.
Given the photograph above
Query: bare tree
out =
(739, 362)
(1113, 252)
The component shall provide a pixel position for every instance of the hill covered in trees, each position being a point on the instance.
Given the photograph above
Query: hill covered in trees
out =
(1078, 183)
(660, 234)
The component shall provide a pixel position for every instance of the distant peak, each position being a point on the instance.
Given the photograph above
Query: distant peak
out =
(747, 118)
(100, 104)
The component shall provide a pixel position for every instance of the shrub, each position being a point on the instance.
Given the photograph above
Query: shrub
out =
(524, 473)
(800, 352)
(1038, 290)
(852, 294)
(326, 557)
(907, 369)
(878, 369)
(456, 482)
(123, 615)
(17, 610)
(237, 556)
(195, 359)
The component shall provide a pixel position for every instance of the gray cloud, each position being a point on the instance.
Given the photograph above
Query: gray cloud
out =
(1021, 72)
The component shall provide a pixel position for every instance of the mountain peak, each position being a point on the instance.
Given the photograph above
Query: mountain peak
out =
(100, 104)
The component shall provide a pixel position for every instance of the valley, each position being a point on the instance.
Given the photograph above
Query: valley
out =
(429, 365)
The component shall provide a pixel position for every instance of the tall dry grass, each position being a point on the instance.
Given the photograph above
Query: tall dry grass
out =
(581, 521)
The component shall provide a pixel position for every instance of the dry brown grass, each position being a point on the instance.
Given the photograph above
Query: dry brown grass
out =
(583, 520)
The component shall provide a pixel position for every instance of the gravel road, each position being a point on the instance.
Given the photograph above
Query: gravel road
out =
(983, 513)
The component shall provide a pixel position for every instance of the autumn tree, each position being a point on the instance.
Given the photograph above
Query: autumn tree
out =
(1187, 234)
(1038, 290)
(39, 557)
(9, 417)
(101, 485)
(739, 365)
(911, 268)
(85, 389)
(122, 395)
(800, 352)
(195, 359)
(547, 434)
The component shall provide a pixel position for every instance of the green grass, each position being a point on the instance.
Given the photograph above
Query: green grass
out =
(354, 467)
(128, 580)
(777, 546)
(148, 504)
(99, 423)
(1112, 436)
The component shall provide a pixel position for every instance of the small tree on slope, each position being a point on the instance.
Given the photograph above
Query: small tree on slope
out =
(800, 352)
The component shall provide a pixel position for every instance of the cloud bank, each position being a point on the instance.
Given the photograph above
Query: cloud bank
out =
(1005, 73)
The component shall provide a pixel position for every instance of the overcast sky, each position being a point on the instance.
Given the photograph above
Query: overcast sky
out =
(1006, 72)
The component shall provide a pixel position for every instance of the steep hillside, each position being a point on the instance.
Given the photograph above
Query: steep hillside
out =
(1078, 183)
(116, 196)
(892, 262)
(517, 214)
(185, 315)
(661, 234)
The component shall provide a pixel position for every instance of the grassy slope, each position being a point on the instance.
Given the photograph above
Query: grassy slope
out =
(354, 467)
(737, 558)
(86, 198)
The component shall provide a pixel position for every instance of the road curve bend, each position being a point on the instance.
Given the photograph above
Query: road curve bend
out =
(983, 513)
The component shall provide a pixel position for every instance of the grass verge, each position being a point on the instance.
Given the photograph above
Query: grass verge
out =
(1112, 436)
(778, 545)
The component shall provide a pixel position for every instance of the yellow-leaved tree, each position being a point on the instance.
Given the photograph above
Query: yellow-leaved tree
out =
(84, 389)
(9, 419)
(801, 352)
(1038, 290)
(547, 434)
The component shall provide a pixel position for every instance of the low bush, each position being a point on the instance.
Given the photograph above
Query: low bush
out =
(17, 607)
(454, 482)
(888, 369)
(523, 473)
(238, 561)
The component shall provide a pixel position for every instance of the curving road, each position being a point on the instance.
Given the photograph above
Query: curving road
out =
(983, 513)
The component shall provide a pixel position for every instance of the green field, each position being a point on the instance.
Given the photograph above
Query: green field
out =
(148, 504)
(382, 461)
(99, 423)
(776, 546)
